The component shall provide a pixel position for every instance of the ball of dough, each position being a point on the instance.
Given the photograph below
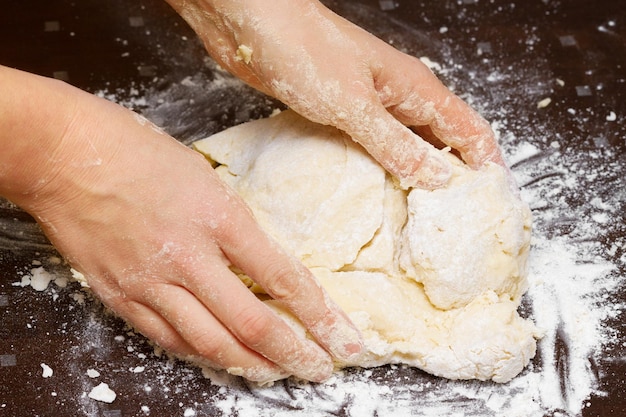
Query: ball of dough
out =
(432, 279)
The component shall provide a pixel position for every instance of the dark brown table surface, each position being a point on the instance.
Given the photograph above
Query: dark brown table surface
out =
(503, 56)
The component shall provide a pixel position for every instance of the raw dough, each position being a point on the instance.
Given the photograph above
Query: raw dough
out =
(432, 279)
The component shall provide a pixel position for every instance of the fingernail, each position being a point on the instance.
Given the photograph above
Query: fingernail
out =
(344, 351)
(343, 341)
(353, 350)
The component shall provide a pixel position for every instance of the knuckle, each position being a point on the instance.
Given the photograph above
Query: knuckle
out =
(208, 345)
(254, 326)
(283, 282)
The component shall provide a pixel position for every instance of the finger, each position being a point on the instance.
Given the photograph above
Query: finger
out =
(254, 324)
(180, 323)
(456, 124)
(427, 102)
(286, 280)
(405, 155)
(152, 325)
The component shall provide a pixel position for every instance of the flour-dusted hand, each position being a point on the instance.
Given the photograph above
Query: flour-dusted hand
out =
(333, 72)
(155, 233)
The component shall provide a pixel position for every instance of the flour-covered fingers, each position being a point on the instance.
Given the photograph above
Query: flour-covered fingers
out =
(296, 288)
(196, 334)
(289, 282)
(416, 97)
(151, 324)
(255, 325)
(457, 125)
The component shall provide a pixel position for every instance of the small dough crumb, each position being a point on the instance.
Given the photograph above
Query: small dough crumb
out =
(102, 393)
(244, 53)
(40, 278)
(544, 103)
(47, 371)
(79, 277)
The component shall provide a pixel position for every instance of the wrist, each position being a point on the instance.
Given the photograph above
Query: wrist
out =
(35, 113)
(239, 33)
(51, 139)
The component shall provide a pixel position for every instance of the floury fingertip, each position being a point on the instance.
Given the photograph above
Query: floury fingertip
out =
(433, 172)
(344, 341)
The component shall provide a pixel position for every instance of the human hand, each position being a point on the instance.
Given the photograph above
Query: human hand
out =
(154, 231)
(333, 72)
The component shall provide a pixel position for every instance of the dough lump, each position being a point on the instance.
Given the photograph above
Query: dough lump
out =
(432, 279)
